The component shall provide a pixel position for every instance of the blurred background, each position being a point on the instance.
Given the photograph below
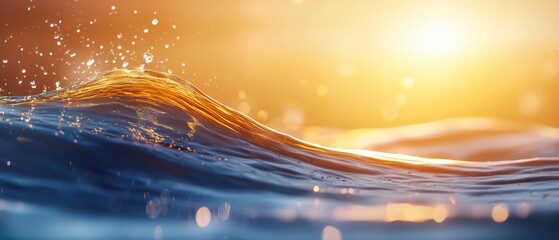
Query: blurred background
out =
(294, 64)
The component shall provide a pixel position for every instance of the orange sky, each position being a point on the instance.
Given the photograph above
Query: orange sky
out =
(339, 64)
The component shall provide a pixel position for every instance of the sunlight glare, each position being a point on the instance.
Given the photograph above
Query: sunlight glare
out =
(434, 39)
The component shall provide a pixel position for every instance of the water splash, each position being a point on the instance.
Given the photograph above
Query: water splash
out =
(148, 58)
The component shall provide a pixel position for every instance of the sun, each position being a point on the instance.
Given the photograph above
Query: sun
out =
(435, 38)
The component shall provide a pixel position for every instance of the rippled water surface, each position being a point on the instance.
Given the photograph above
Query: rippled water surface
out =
(146, 155)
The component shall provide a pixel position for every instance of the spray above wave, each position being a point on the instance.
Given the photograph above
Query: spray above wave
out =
(117, 142)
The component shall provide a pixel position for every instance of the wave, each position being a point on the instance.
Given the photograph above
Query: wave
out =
(121, 142)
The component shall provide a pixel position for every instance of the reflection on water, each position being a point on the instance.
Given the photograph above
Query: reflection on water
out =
(141, 154)
(392, 212)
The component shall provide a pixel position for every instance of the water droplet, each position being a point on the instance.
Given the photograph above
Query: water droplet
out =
(119, 36)
(148, 57)
(146, 30)
(154, 21)
(90, 62)
(113, 7)
(58, 43)
(56, 36)
(174, 26)
(5, 60)
(23, 70)
(125, 64)
(32, 83)
(166, 45)
(72, 55)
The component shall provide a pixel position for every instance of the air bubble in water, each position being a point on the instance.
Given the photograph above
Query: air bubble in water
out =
(90, 62)
(32, 83)
(148, 57)
(146, 30)
(5, 60)
(154, 21)
(56, 36)
(125, 64)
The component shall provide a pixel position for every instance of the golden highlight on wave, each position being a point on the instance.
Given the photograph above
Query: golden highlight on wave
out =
(145, 88)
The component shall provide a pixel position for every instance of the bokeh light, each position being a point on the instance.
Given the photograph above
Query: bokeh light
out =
(500, 213)
(203, 217)
(331, 233)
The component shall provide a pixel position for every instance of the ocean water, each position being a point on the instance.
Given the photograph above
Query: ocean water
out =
(134, 154)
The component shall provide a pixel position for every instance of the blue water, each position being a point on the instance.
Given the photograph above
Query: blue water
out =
(145, 155)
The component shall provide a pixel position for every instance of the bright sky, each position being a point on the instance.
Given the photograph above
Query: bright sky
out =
(327, 63)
